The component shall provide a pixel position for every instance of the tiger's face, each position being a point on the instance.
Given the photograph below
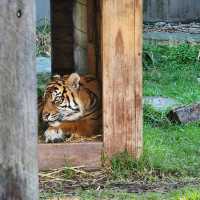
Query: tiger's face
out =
(62, 101)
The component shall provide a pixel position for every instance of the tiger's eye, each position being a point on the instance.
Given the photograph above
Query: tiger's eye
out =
(58, 100)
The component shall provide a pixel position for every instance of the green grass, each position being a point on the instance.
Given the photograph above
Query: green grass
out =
(172, 148)
(172, 151)
(188, 193)
(42, 80)
(173, 73)
(43, 40)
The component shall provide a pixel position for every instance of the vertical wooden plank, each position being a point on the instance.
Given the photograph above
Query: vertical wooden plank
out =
(99, 39)
(138, 70)
(92, 36)
(18, 110)
(62, 36)
(122, 92)
(80, 36)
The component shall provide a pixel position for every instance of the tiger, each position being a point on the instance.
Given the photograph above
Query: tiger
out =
(71, 106)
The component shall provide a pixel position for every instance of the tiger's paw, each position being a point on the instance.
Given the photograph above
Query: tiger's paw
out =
(53, 135)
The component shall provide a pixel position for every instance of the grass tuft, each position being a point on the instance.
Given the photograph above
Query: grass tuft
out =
(123, 166)
(155, 118)
(43, 40)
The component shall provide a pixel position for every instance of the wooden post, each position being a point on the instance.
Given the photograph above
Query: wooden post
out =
(18, 110)
(92, 36)
(80, 36)
(122, 76)
(62, 36)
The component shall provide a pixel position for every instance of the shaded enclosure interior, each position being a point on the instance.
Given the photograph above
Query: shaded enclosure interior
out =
(75, 33)
(75, 36)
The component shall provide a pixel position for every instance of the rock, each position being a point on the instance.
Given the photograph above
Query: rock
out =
(171, 38)
(161, 103)
(194, 30)
(185, 114)
(198, 80)
(160, 24)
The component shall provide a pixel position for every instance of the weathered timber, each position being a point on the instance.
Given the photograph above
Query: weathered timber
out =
(98, 46)
(62, 36)
(80, 36)
(185, 114)
(18, 108)
(122, 76)
(92, 30)
(52, 156)
(74, 36)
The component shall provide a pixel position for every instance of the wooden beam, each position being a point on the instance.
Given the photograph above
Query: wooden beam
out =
(80, 36)
(52, 156)
(62, 36)
(92, 36)
(18, 109)
(122, 76)
(137, 147)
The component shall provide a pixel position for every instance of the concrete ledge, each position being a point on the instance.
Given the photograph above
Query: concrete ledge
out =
(171, 38)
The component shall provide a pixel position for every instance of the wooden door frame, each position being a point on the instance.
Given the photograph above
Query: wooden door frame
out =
(121, 58)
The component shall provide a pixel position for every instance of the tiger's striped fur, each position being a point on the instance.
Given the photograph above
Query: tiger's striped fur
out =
(72, 106)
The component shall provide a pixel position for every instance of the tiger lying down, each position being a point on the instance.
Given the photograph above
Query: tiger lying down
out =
(71, 107)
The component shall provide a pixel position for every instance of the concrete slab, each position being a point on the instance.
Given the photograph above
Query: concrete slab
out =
(171, 38)
(161, 103)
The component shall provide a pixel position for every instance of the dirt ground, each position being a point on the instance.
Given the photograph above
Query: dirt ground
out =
(69, 180)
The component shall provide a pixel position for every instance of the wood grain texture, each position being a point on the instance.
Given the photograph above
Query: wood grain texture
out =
(18, 117)
(138, 70)
(80, 36)
(92, 36)
(122, 76)
(52, 156)
(99, 40)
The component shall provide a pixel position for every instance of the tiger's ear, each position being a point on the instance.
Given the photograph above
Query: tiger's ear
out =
(56, 77)
(74, 80)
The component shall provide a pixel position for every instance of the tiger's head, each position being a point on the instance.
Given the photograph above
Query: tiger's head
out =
(64, 99)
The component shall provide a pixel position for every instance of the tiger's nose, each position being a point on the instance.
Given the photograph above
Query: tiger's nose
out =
(45, 116)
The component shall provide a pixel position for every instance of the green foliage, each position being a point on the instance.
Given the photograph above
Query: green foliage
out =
(68, 173)
(190, 193)
(155, 118)
(105, 195)
(175, 70)
(184, 54)
(42, 80)
(43, 42)
(123, 166)
(172, 149)
(147, 59)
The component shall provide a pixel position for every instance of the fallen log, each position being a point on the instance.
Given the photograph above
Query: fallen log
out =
(185, 114)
